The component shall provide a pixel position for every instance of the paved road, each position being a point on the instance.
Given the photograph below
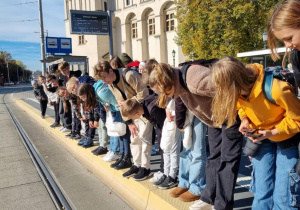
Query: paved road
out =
(21, 187)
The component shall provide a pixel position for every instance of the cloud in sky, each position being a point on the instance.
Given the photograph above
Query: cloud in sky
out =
(19, 38)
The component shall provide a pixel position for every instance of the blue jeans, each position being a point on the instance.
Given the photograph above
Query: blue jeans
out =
(192, 161)
(114, 140)
(124, 141)
(274, 182)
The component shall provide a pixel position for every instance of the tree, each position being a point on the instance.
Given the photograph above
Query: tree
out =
(216, 28)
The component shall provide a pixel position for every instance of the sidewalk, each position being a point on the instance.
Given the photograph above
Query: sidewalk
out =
(140, 195)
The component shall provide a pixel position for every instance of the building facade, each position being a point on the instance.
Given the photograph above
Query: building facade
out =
(144, 29)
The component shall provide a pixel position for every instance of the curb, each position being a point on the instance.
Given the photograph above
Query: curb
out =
(139, 195)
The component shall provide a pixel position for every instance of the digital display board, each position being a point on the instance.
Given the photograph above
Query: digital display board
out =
(89, 22)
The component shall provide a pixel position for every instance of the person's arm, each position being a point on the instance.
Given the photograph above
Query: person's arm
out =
(295, 60)
(37, 95)
(180, 113)
(135, 81)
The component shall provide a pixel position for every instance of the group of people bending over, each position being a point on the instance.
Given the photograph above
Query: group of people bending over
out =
(223, 101)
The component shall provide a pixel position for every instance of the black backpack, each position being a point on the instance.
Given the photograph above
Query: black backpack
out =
(277, 72)
(186, 65)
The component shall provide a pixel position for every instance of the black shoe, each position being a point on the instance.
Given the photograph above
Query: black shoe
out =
(54, 125)
(117, 161)
(160, 181)
(70, 135)
(132, 171)
(168, 183)
(100, 151)
(298, 167)
(125, 163)
(77, 137)
(142, 174)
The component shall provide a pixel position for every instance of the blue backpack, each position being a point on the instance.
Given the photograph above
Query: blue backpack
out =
(277, 72)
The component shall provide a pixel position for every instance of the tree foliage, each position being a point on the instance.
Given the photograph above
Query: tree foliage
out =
(16, 69)
(215, 28)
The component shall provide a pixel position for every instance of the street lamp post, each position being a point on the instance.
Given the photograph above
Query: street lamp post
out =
(265, 39)
(7, 71)
(173, 54)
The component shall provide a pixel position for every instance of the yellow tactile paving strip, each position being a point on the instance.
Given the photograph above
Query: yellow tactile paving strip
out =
(139, 195)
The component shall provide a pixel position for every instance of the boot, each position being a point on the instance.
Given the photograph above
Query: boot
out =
(125, 163)
(88, 143)
(117, 161)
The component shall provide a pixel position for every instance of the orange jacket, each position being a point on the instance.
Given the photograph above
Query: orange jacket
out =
(285, 115)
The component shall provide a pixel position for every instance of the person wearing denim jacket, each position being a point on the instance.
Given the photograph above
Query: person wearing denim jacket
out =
(120, 143)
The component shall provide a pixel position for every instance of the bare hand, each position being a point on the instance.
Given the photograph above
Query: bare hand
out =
(265, 135)
(91, 124)
(96, 124)
(245, 127)
(169, 115)
(133, 130)
(120, 104)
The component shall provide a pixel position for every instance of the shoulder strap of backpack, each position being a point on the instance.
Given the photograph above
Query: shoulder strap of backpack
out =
(182, 76)
(267, 86)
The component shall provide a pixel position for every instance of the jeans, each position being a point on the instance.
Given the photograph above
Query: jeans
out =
(115, 140)
(193, 160)
(274, 182)
(225, 146)
(124, 141)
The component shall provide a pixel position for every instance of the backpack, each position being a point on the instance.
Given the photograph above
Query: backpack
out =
(186, 65)
(133, 68)
(277, 72)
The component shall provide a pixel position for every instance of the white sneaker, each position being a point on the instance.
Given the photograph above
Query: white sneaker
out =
(61, 128)
(112, 157)
(201, 205)
(156, 177)
(107, 155)
(65, 130)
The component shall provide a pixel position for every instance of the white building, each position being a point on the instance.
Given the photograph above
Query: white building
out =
(144, 29)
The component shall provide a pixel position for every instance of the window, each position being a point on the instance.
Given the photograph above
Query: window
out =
(134, 33)
(151, 26)
(81, 39)
(170, 22)
(127, 3)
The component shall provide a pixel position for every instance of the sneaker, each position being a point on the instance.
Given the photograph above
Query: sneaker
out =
(80, 143)
(43, 117)
(121, 156)
(89, 142)
(112, 156)
(132, 171)
(54, 125)
(168, 183)
(100, 151)
(199, 204)
(125, 163)
(61, 128)
(77, 137)
(65, 130)
(70, 135)
(160, 181)
(156, 176)
(107, 155)
(142, 174)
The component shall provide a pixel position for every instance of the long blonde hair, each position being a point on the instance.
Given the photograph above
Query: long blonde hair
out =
(286, 15)
(162, 77)
(229, 77)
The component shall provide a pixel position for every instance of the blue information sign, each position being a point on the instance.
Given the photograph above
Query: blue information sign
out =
(58, 45)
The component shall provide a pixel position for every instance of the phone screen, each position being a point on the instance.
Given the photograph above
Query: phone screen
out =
(254, 134)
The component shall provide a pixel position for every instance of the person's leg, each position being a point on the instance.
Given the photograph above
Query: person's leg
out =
(212, 164)
(227, 172)
(145, 136)
(68, 115)
(161, 152)
(56, 111)
(44, 107)
(136, 147)
(287, 182)
(102, 133)
(62, 112)
(198, 162)
(174, 155)
(263, 176)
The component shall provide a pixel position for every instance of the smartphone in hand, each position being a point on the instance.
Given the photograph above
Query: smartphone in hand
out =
(253, 134)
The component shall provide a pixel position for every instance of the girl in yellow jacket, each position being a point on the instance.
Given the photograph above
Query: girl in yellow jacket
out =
(275, 183)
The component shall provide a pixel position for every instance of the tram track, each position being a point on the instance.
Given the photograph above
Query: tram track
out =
(59, 199)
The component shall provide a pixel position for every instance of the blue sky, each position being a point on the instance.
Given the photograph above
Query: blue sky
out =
(18, 37)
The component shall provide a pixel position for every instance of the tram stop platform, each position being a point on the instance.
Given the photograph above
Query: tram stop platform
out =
(138, 194)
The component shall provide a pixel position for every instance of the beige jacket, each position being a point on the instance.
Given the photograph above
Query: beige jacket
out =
(135, 90)
(201, 92)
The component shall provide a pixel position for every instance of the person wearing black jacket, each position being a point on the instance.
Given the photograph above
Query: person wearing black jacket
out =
(40, 95)
(148, 109)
